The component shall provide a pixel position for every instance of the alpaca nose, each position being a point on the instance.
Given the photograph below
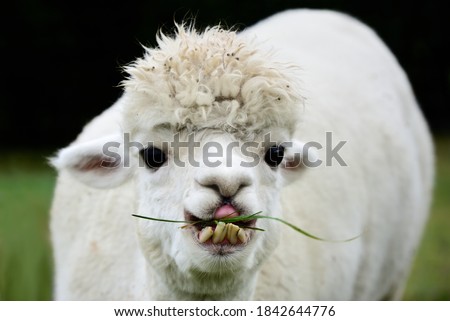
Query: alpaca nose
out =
(226, 181)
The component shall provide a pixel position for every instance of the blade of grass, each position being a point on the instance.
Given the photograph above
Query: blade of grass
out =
(243, 218)
(162, 220)
(204, 222)
(239, 218)
(296, 228)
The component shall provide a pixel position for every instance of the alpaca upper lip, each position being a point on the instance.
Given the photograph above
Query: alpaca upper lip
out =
(241, 210)
(227, 200)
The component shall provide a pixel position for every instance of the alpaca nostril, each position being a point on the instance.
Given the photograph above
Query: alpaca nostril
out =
(214, 187)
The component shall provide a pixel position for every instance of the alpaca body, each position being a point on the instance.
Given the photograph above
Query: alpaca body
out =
(374, 180)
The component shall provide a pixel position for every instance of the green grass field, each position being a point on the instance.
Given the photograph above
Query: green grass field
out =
(26, 186)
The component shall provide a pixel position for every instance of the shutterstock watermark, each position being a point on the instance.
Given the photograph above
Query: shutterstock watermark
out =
(215, 154)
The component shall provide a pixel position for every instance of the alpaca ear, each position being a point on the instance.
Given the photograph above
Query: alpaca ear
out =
(98, 163)
(298, 157)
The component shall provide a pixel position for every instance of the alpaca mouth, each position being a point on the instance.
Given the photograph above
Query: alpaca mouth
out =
(216, 233)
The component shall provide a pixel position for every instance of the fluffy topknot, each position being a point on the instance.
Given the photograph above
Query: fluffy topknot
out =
(213, 79)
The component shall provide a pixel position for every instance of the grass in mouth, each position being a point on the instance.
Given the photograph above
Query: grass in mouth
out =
(244, 218)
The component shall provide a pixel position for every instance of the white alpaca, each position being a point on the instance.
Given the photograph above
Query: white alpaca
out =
(327, 73)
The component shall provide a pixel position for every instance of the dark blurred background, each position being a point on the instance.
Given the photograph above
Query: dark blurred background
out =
(61, 60)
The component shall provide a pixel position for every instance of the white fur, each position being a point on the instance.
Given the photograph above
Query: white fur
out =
(347, 82)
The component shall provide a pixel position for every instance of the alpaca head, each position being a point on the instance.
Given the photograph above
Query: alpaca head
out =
(209, 118)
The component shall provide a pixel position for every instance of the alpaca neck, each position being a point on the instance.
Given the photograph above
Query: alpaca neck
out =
(172, 284)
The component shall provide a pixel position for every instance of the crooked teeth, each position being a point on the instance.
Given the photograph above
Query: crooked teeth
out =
(242, 236)
(205, 234)
(220, 232)
(232, 231)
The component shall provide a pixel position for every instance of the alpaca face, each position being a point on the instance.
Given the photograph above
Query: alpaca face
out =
(217, 176)
(226, 92)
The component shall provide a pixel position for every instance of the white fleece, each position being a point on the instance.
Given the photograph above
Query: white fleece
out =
(297, 75)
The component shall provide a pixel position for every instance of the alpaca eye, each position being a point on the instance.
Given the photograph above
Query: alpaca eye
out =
(274, 155)
(153, 157)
